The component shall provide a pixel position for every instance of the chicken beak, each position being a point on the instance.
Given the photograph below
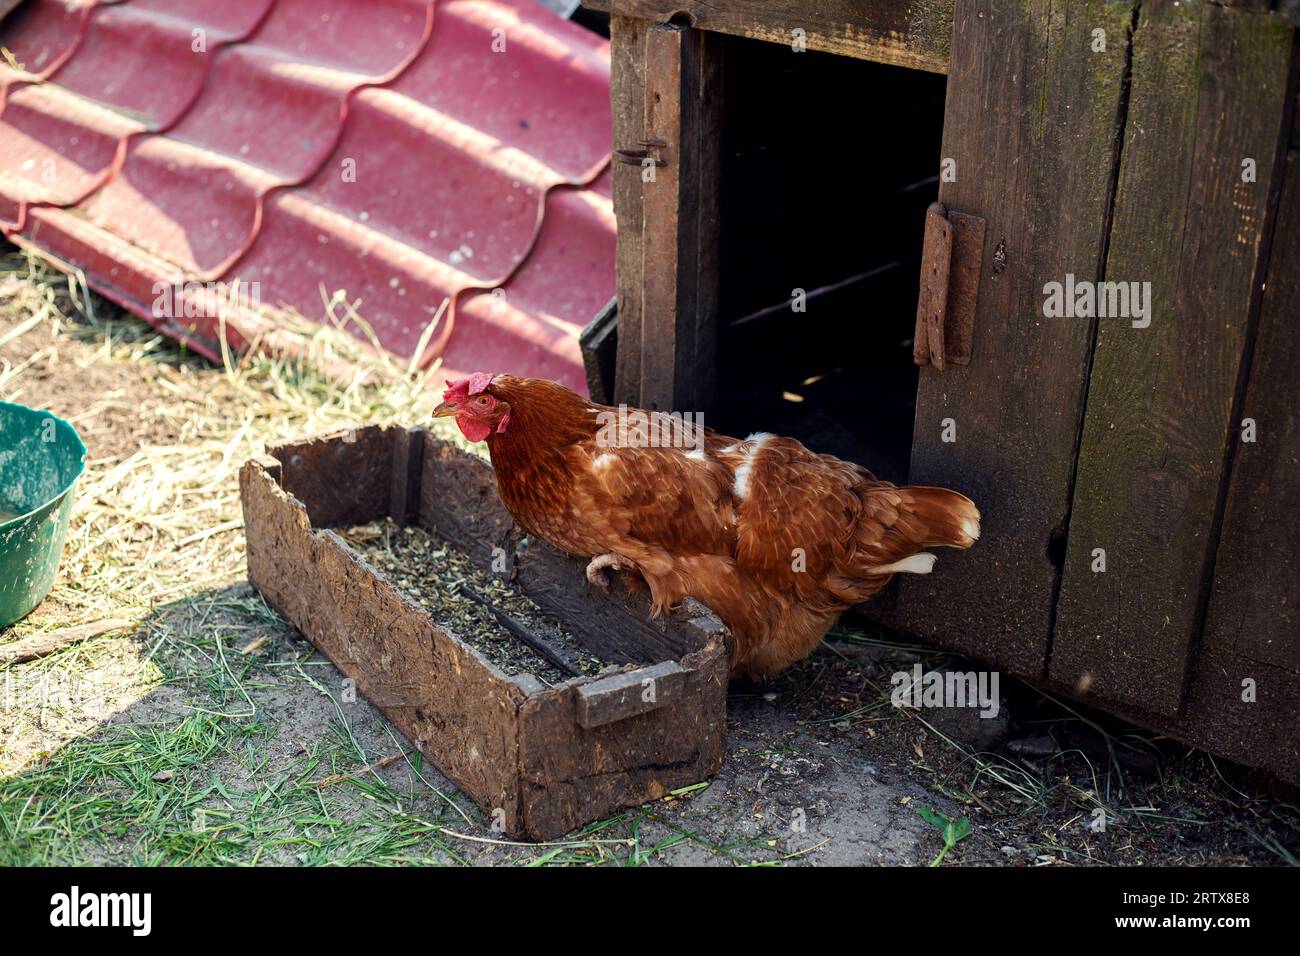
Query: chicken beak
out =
(445, 410)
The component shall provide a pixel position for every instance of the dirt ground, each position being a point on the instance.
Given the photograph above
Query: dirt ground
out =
(208, 732)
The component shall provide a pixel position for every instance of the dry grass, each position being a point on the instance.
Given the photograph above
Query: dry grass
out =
(163, 520)
(205, 733)
(156, 539)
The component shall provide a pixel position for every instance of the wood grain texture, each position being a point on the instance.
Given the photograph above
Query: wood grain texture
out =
(910, 33)
(1031, 120)
(460, 712)
(1152, 458)
(1254, 609)
(620, 696)
(364, 454)
(513, 745)
(1264, 733)
(408, 466)
(627, 98)
(571, 774)
(680, 231)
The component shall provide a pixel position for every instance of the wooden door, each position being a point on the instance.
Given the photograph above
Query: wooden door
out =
(667, 126)
(1035, 103)
(1195, 206)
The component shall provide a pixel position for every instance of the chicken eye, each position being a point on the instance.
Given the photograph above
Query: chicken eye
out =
(482, 400)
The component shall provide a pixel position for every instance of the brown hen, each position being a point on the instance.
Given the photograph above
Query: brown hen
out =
(775, 539)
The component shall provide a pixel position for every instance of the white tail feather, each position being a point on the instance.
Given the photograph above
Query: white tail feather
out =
(921, 563)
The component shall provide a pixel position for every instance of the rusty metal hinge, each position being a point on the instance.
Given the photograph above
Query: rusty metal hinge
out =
(950, 284)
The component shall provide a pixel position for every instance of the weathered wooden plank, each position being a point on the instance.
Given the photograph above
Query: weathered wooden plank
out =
(627, 99)
(514, 746)
(434, 689)
(1253, 619)
(680, 237)
(1295, 109)
(571, 774)
(365, 454)
(1258, 729)
(1254, 608)
(911, 33)
(1254, 613)
(630, 693)
(1192, 222)
(408, 466)
(1031, 118)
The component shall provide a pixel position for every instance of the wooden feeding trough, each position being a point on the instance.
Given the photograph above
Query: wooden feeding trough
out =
(540, 760)
(1136, 473)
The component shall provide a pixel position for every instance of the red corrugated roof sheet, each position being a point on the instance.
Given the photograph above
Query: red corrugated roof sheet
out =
(403, 152)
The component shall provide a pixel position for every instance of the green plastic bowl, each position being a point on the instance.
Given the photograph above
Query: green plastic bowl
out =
(41, 458)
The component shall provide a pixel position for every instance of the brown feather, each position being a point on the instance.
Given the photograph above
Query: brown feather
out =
(775, 539)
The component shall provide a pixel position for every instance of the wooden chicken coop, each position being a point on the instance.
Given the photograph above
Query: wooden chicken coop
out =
(782, 265)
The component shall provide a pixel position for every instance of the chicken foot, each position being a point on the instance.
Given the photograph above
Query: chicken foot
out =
(595, 572)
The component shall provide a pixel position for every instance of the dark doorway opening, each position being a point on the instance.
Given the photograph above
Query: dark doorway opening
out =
(828, 166)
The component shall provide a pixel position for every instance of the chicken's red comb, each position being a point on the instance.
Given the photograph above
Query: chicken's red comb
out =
(463, 388)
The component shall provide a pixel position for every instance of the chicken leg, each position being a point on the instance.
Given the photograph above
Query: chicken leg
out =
(595, 572)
